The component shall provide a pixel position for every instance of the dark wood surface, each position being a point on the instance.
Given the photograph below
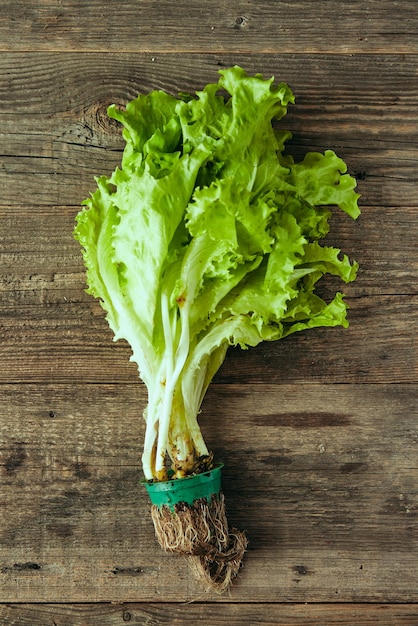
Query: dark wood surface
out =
(153, 614)
(318, 433)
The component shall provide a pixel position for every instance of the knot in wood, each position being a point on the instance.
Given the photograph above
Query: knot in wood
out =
(103, 122)
(241, 21)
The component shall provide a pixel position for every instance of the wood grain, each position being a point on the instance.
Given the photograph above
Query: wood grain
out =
(51, 330)
(151, 614)
(322, 477)
(56, 136)
(42, 264)
(67, 342)
(267, 27)
(318, 432)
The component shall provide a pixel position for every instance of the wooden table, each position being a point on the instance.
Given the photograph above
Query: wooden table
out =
(318, 432)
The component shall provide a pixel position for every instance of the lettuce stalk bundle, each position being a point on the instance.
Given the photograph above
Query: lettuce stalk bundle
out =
(208, 236)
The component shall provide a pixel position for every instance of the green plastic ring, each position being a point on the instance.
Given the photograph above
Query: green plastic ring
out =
(188, 489)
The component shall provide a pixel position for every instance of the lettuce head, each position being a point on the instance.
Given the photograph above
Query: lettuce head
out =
(208, 235)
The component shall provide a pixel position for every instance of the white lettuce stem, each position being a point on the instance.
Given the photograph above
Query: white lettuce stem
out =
(149, 443)
(174, 365)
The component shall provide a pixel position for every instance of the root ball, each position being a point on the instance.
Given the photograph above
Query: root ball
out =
(200, 532)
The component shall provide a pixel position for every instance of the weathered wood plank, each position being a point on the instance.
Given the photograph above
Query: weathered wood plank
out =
(41, 264)
(271, 614)
(323, 477)
(51, 330)
(55, 134)
(269, 26)
(69, 343)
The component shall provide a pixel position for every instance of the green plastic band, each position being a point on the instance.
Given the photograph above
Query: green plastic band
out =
(189, 489)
